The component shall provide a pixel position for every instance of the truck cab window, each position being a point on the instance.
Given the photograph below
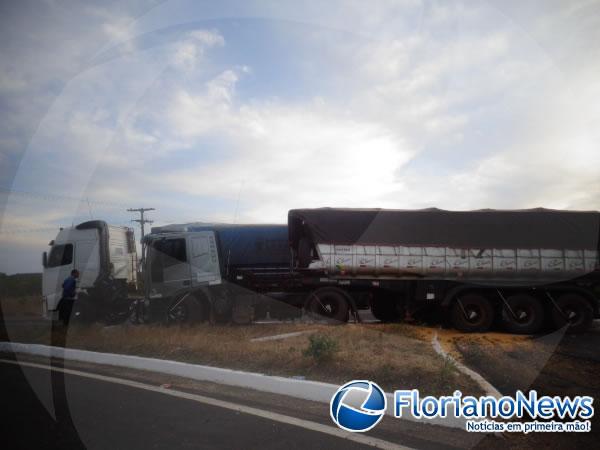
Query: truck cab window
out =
(169, 251)
(200, 246)
(61, 255)
(173, 251)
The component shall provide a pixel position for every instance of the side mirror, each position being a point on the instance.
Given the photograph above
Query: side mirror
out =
(45, 259)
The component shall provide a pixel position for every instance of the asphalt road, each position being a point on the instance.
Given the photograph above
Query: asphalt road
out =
(98, 414)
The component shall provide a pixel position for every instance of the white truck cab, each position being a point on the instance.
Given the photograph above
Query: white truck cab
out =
(94, 248)
(179, 260)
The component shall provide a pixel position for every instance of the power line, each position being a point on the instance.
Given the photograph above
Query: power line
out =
(141, 220)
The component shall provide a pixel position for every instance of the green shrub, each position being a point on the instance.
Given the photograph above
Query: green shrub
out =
(321, 347)
(446, 374)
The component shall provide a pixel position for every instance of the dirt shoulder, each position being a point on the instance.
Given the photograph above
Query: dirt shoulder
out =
(395, 356)
(555, 364)
(21, 307)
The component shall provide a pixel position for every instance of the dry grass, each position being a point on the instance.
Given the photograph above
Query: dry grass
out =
(395, 356)
(29, 306)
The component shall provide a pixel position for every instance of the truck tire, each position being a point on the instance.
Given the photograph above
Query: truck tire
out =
(472, 313)
(329, 304)
(525, 315)
(186, 309)
(575, 311)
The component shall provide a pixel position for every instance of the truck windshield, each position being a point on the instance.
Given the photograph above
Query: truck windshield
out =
(61, 255)
(165, 253)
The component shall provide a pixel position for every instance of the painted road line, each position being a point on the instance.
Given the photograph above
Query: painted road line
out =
(276, 417)
(316, 391)
(276, 337)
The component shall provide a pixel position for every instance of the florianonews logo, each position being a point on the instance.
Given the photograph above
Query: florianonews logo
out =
(358, 405)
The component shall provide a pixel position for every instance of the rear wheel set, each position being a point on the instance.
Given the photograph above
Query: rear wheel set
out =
(523, 314)
(328, 304)
(472, 313)
(574, 311)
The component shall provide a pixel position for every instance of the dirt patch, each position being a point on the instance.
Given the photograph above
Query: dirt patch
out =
(553, 364)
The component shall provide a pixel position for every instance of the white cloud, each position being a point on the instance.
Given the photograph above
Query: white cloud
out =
(190, 51)
(398, 104)
(302, 154)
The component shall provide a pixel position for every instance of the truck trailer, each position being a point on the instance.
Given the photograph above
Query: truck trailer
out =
(527, 268)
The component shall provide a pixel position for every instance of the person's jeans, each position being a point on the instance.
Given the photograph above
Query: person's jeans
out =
(65, 306)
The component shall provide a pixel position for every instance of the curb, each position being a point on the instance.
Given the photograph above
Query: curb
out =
(484, 384)
(303, 389)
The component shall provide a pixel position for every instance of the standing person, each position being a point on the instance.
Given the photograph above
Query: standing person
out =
(68, 296)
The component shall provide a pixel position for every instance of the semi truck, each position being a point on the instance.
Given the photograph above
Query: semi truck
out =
(105, 257)
(523, 268)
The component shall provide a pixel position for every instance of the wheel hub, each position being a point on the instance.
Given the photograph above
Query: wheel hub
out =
(472, 314)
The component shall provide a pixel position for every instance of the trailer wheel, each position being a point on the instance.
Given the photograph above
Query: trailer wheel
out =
(573, 310)
(329, 304)
(524, 314)
(472, 313)
(186, 309)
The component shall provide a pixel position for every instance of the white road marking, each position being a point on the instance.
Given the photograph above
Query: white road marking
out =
(313, 426)
(276, 337)
(316, 391)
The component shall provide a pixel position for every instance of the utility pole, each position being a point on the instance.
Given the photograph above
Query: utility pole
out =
(141, 221)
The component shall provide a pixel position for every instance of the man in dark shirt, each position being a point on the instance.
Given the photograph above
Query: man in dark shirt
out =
(68, 296)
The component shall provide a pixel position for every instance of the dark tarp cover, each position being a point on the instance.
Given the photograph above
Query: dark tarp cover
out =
(487, 228)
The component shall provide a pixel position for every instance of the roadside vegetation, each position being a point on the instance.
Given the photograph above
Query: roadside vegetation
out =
(321, 348)
(23, 307)
(21, 294)
(391, 355)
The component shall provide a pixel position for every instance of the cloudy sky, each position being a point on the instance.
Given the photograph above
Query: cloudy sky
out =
(242, 110)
